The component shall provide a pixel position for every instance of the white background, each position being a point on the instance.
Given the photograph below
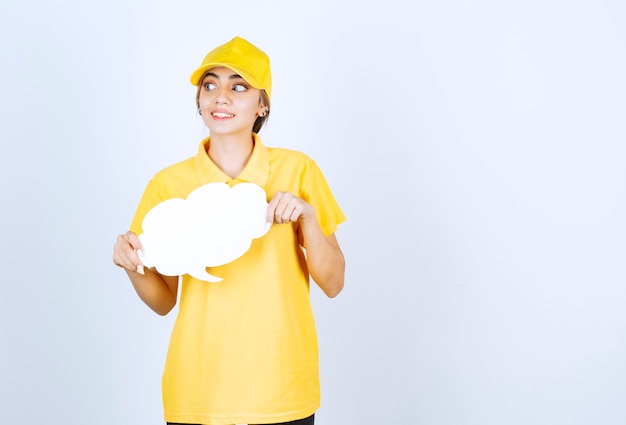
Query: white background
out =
(477, 148)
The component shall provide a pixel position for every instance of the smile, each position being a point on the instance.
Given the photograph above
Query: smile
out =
(222, 115)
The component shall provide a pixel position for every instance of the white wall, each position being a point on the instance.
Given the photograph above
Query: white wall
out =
(477, 149)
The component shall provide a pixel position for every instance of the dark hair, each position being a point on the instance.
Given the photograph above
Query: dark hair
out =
(258, 123)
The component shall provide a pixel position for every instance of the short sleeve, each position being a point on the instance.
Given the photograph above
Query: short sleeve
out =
(148, 200)
(317, 192)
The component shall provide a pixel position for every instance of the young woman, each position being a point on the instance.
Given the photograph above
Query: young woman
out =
(243, 350)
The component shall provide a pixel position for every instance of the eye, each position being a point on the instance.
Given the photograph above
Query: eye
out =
(239, 87)
(209, 86)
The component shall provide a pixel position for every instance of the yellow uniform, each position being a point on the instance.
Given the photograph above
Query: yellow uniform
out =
(244, 350)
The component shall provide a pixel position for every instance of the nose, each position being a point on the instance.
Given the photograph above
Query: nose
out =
(222, 96)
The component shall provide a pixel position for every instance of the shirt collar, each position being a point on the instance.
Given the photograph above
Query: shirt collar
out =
(256, 170)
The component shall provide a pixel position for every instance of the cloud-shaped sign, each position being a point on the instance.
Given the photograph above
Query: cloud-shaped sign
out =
(213, 226)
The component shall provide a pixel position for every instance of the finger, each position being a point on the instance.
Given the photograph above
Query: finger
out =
(284, 212)
(271, 207)
(288, 213)
(296, 213)
(271, 210)
(277, 207)
(128, 260)
(127, 253)
(133, 240)
(136, 257)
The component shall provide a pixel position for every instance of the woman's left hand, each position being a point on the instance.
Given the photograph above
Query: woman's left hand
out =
(285, 207)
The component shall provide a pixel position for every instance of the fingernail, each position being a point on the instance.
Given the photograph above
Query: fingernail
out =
(267, 226)
(140, 269)
(140, 253)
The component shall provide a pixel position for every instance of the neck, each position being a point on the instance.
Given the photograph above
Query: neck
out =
(230, 152)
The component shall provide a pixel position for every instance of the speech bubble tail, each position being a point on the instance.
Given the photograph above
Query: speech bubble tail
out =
(203, 275)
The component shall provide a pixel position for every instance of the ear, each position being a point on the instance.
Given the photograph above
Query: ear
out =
(263, 109)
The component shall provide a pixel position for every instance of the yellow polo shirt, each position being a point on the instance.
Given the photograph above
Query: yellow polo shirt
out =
(244, 350)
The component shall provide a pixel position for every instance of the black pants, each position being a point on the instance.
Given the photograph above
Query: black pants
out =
(305, 421)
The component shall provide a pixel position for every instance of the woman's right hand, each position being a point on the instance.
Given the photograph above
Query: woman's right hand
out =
(125, 252)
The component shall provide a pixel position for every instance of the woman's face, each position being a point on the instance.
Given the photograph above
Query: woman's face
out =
(228, 104)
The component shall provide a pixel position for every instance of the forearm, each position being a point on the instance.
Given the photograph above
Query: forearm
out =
(325, 260)
(157, 291)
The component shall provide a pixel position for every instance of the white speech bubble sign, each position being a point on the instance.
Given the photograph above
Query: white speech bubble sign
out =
(213, 226)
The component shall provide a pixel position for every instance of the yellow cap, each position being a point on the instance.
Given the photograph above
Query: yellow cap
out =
(242, 57)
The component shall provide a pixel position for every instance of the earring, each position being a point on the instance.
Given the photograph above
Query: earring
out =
(199, 111)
